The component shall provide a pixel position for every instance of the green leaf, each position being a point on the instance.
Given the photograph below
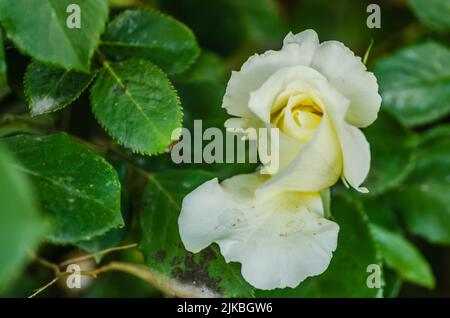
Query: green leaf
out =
(49, 89)
(423, 200)
(20, 224)
(162, 246)
(151, 35)
(111, 238)
(433, 13)
(3, 80)
(347, 273)
(139, 92)
(77, 188)
(414, 87)
(40, 29)
(387, 137)
(402, 256)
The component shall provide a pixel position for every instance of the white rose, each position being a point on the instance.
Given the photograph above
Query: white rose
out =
(317, 95)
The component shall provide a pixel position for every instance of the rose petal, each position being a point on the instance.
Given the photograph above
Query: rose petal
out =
(297, 50)
(318, 165)
(349, 76)
(279, 242)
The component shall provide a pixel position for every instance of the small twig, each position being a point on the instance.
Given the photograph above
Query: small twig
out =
(45, 263)
(169, 286)
(40, 290)
(92, 255)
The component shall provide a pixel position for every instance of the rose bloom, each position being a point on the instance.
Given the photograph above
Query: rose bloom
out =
(318, 95)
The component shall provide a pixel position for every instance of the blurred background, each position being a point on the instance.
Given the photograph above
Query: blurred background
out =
(228, 31)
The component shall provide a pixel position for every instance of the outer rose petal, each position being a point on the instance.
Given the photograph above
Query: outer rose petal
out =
(349, 76)
(337, 148)
(297, 50)
(279, 242)
(355, 148)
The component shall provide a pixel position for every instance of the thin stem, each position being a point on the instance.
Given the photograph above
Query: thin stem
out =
(45, 263)
(92, 255)
(40, 290)
(170, 287)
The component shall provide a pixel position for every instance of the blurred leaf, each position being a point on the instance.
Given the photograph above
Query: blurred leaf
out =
(2, 62)
(39, 28)
(136, 103)
(347, 274)
(424, 200)
(162, 246)
(392, 154)
(151, 35)
(216, 24)
(201, 90)
(392, 283)
(415, 87)
(262, 20)
(123, 3)
(403, 257)
(381, 212)
(49, 89)
(323, 16)
(20, 224)
(202, 100)
(76, 187)
(433, 13)
(208, 67)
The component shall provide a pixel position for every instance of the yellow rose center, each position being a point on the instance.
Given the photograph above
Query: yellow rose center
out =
(296, 115)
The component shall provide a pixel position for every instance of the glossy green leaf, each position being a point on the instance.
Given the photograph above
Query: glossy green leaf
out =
(423, 199)
(162, 246)
(415, 83)
(44, 29)
(151, 35)
(404, 257)
(137, 104)
(114, 236)
(78, 189)
(386, 138)
(2, 62)
(347, 273)
(433, 13)
(49, 89)
(20, 224)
